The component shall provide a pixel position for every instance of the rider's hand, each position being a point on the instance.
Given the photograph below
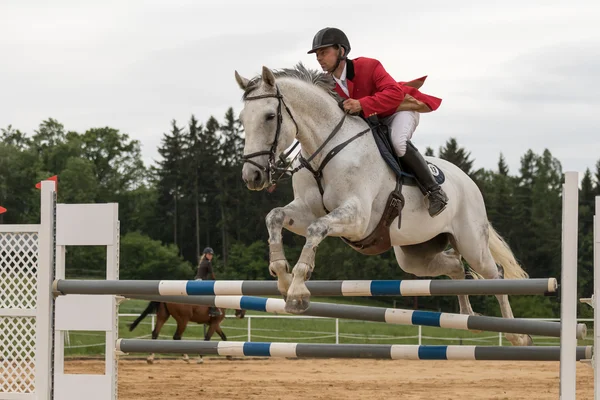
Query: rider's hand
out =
(352, 106)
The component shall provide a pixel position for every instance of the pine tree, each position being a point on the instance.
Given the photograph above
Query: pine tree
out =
(585, 251)
(193, 153)
(500, 205)
(546, 216)
(597, 187)
(210, 171)
(457, 155)
(169, 184)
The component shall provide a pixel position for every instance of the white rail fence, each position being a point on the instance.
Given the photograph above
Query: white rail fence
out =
(259, 334)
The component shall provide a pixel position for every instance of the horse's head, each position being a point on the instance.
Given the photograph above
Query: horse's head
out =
(269, 128)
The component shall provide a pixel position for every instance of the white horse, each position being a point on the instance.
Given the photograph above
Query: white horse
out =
(354, 186)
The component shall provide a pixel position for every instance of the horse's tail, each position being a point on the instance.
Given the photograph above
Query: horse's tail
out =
(504, 256)
(153, 306)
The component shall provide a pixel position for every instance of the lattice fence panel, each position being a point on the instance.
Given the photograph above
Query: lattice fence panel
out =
(17, 355)
(18, 270)
(18, 290)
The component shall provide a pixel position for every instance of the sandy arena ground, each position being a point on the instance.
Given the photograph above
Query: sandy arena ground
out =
(283, 379)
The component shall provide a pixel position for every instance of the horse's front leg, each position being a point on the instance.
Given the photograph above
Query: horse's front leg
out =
(295, 217)
(346, 220)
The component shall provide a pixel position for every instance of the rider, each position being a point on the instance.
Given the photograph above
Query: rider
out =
(205, 273)
(369, 89)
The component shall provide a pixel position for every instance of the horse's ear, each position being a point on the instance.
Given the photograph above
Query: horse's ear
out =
(268, 77)
(242, 82)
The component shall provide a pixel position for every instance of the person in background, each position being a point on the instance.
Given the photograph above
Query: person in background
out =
(205, 272)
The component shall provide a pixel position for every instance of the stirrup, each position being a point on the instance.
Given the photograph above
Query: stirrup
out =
(439, 197)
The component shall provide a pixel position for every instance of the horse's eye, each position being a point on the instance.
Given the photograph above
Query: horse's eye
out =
(270, 117)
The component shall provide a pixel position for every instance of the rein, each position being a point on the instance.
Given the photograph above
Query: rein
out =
(276, 166)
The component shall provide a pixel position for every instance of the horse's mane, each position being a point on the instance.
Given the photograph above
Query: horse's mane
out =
(299, 71)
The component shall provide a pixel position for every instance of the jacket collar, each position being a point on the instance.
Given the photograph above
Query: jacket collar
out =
(349, 69)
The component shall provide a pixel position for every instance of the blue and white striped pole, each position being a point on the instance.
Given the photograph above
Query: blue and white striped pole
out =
(377, 351)
(378, 314)
(437, 287)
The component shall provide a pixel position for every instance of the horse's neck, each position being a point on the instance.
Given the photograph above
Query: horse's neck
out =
(317, 115)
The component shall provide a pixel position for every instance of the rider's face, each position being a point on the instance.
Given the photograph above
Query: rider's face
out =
(327, 57)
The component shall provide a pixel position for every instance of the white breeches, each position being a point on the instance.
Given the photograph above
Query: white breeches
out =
(402, 126)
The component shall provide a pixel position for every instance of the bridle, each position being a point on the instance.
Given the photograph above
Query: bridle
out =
(276, 165)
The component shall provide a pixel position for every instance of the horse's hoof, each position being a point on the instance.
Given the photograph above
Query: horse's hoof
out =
(519, 340)
(200, 361)
(150, 361)
(529, 341)
(229, 358)
(297, 306)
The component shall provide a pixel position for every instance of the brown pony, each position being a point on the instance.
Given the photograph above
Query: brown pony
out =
(183, 313)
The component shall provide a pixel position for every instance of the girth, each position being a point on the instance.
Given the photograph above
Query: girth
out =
(379, 240)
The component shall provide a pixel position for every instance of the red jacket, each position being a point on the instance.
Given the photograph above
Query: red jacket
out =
(377, 91)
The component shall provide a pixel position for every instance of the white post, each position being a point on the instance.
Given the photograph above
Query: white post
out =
(499, 338)
(568, 307)
(337, 331)
(420, 334)
(111, 362)
(249, 328)
(596, 299)
(45, 300)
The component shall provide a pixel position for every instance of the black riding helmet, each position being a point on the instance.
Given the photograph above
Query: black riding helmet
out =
(330, 37)
(208, 250)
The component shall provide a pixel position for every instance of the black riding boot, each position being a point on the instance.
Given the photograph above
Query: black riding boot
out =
(214, 312)
(430, 188)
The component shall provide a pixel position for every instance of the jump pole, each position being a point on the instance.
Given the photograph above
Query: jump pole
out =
(377, 314)
(316, 288)
(377, 351)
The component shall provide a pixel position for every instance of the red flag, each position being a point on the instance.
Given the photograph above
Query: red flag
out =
(52, 178)
(2, 210)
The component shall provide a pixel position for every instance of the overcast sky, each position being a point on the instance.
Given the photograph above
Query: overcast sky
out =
(513, 76)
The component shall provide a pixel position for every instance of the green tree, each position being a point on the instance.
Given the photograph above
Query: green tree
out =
(457, 155)
(144, 258)
(169, 182)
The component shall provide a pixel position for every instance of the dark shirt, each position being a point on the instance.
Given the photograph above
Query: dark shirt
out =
(205, 270)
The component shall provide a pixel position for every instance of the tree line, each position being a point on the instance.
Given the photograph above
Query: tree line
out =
(193, 197)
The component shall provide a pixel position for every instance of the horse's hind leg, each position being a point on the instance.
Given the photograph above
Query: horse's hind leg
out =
(223, 337)
(476, 251)
(429, 259)
(221, 333)
(181, 325)
(161, 318)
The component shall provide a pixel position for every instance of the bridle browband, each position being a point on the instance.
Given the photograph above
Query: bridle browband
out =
(274, 166)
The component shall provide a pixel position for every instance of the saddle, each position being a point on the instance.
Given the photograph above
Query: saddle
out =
(379, 240)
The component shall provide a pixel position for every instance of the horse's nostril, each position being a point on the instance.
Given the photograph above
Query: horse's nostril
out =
(257, 176)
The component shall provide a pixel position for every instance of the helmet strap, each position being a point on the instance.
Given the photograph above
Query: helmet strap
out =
(339, 59)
